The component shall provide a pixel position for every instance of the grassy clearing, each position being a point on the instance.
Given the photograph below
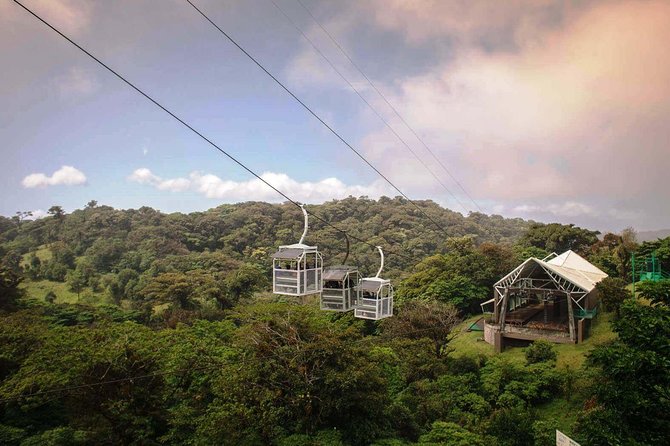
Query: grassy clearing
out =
(473, 344)
(470, 343)
(574, 355)
(38, 289)
(562, 412)
(43, 253)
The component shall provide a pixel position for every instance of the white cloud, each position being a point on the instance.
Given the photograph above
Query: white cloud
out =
(144, 176)
(175, 185)
(567, 112)
(212, 186)
(541, 122)
(37, 214)
(498, 208)
(72, 16)
(76, 82)
(566, 209)
(66, 176)
(626, 214)
(574, 209)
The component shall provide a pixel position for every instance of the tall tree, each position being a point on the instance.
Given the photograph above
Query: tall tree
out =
(20, 216)
(418, 319)
(558, 238)
(76, 281)
(624, 250)
(10, 278)
(183, 291)
(613, 293)
(56, 212)
(302, 374)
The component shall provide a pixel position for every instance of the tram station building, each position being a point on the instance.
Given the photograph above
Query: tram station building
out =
(554, 298)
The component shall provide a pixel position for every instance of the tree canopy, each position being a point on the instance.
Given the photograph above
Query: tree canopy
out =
(139, 327)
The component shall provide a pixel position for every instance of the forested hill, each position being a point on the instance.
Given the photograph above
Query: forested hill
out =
(125, 327)
(114, 239)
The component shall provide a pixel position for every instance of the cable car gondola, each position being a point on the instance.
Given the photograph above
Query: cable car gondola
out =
(297, 268)
(340, 291)
(376, 298)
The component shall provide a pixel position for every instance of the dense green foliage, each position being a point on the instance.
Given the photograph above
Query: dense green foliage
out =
(660, 247)
(613, 293)
(10, 278)
(463, 276)
(631, 399)
(114, 239)
(658, 293)
(158, 329)
(265, 374)
(559, 238)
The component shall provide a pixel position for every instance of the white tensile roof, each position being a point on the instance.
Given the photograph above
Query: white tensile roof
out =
(572, 260)
(569, 265)
(577, 269)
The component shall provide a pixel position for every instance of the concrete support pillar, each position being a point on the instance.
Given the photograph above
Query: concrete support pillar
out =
(498, 342)
(503, 309)
(571, 319)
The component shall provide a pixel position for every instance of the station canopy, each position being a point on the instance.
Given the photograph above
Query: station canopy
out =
(569, 271)
(577, 269)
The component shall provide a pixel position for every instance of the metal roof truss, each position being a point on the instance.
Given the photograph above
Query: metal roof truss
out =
(522, 277)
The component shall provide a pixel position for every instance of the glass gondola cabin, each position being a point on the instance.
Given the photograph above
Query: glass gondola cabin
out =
(297, 270)
(376, 296)
(340, 288)
(376, 299)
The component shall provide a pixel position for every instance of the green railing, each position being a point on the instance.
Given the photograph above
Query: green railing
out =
(586, 314)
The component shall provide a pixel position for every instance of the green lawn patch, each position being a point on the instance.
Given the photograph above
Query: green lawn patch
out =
(43, 253)
(38, 289)
(562, 412)
(471, 343)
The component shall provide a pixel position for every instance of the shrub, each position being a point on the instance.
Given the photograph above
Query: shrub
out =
(540, 351)
(512, 426)
(544, 433)
(450, 434)
(50, 297)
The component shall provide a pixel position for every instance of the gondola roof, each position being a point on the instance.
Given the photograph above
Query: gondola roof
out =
(338, 272)
(293, 252)
(372, 284)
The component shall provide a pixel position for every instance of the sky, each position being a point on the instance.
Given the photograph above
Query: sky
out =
(555, 111)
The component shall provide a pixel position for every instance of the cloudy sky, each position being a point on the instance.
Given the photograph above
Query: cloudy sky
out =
(552, 110)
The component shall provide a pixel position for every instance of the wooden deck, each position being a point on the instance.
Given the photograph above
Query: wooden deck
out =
(523, 315)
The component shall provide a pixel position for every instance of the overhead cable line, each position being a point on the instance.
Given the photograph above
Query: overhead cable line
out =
(370, 106)
(192, 368)
(192, 129)
(306, 107)
(388, 103)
